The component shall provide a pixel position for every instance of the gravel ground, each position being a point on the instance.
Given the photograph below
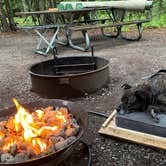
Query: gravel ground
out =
(129, 62)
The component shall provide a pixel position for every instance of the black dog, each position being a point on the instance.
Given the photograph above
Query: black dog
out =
(149, 95)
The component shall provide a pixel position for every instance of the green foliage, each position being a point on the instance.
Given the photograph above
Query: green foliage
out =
(27, 21)
(158, 13)
(16, 5)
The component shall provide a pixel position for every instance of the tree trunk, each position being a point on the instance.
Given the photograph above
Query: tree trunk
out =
(52, 4)
(42, 5)
(4, 26)
(10, 15)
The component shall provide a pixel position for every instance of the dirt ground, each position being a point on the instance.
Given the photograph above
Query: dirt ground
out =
(129, 62)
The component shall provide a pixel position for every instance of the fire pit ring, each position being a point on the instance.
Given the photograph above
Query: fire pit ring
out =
(70, 76)
(58, 156)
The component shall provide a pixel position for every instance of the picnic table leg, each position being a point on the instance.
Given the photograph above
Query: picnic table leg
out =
(138, 37)
(86, 39)
(111, 35)
(116, 15)
(64, 43)
(40, 40)
(38, 49)
(119, 15)
(50, 43)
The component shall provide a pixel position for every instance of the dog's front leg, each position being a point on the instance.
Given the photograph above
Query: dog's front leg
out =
(153, 110)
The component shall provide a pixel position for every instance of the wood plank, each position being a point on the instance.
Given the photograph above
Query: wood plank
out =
(93, 20)
(130, 135)
(54, 12)
(110, 118)
(121, 4)
(51, 26)
(88, 27)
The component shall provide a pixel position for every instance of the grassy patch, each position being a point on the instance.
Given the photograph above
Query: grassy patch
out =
(24, 21)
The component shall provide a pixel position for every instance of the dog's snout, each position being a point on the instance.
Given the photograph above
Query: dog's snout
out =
(121, 109)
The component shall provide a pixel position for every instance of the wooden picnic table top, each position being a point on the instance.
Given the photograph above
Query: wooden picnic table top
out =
(88, 9)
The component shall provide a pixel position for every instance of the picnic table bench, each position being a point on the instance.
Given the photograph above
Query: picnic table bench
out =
(85, 28)
(115, 19)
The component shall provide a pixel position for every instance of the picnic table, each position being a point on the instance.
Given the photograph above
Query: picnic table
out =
(74, 20)
(66, 17)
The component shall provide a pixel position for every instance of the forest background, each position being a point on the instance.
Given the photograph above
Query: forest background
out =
(8, 8)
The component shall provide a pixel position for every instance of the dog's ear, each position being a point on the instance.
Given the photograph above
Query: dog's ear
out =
(126, 86)
(141, 94)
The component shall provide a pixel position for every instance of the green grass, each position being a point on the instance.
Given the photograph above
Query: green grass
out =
(24, 21)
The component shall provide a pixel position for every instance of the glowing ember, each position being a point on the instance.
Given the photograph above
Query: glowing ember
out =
(41, 132)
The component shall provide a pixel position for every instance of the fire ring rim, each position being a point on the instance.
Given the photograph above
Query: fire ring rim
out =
(55, 154)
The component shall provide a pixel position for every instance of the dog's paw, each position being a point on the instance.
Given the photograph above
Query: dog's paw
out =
(154, 116)
(157, 119)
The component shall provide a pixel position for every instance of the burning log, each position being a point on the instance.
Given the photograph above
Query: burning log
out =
(31, 135)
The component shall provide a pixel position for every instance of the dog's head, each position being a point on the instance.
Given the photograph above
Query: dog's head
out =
(133, 99)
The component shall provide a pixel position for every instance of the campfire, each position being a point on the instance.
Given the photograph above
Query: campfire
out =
(28, 135)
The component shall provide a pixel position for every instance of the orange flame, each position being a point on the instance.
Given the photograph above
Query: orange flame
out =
(9, 143)
(32, 130)
(1, 135)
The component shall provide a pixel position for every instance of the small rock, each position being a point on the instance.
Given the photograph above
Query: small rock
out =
(31, 153)
(13, 150)
(70, 139)
(21, 157)
(23, 146)
(60, 138)
(7, 158)
(62, 133)
(51, 149)
(54, 139)
(71, 132)
(74, 123)
(60, 145)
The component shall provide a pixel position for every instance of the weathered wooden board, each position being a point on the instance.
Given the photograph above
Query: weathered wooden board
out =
(123, 4)
(97, 26)
(109, 128)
